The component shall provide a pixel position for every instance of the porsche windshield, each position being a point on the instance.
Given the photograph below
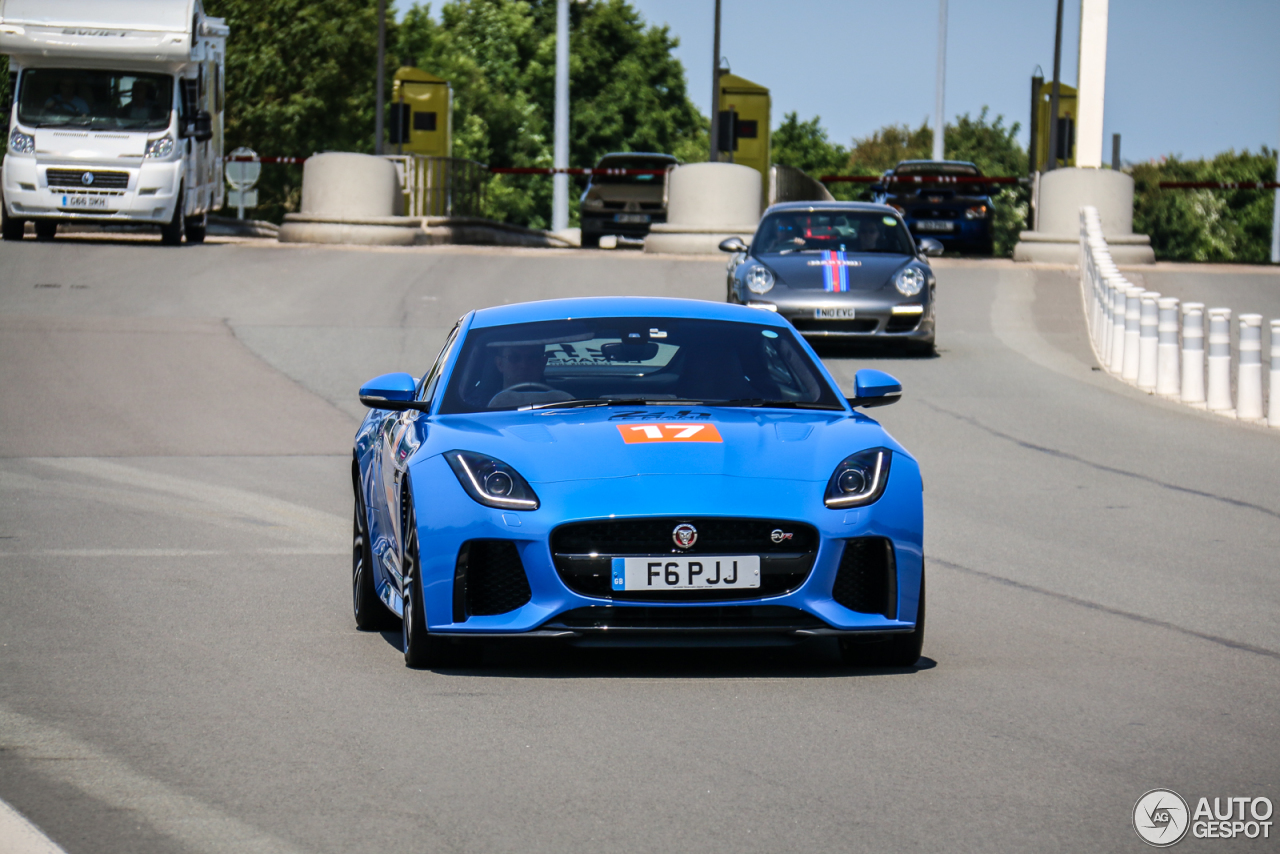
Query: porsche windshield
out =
(832, 231)
(99, 100)
(605, 361)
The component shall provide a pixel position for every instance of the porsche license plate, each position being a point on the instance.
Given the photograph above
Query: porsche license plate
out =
(89, 202)
(935, 225)
(632, 218)
(670, 572)
(834, 313)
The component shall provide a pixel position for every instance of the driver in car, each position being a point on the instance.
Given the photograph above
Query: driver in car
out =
(65, 101)
(522, 367)
(870, 237)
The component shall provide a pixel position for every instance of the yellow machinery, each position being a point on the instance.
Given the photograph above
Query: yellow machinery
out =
(421, 114)
(1066, 125)
(744, 123)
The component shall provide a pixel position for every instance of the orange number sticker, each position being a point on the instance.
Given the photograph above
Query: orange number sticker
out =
(641, 434)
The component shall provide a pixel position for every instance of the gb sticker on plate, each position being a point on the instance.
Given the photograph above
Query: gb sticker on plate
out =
(641, 434)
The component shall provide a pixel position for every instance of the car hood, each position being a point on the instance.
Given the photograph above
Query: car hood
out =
(867, 271)
(589, 444)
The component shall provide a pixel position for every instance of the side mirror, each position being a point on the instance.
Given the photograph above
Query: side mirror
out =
(874, 388)
(733, 244)
(390, 391)
(199, 128)
(878, 188)
(930, 247)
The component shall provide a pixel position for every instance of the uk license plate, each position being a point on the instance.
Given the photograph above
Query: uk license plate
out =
(714, 572)
(89, 202)
(935, 225)
(632, 218)
(834, 313)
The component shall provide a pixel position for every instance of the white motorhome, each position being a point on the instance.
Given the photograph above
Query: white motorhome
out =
(116, 114)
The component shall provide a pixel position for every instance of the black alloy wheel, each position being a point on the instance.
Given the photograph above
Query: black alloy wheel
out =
(423, 650)
(171, 233)
(370, 613)
(46, 229)
(901, 650)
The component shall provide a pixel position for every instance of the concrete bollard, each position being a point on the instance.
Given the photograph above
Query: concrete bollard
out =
(1273, 415)
(1249, 372)
(1148, 341)
(1219, 392)
(1167, 350)
(1193, 354)
(1132, 331)
(1119, 300)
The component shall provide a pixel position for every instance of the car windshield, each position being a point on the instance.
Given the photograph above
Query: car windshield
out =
(832, 231)
(658, 163)
(629, 360)
(99, 100)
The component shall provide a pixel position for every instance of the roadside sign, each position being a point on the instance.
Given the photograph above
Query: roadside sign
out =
(242, 199)
(242, 175)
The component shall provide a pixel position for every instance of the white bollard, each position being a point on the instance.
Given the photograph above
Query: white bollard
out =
(1108, 320)
(1132, 330)
(1219, 393)
(1167, 352)
(1249, 372)
(1193, 354)
(1148, 341)
(1119, 300)
(1274, 407)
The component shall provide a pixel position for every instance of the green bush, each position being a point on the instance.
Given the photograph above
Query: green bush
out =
(1206, 225)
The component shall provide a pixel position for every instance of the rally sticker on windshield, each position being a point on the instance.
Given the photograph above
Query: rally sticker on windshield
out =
(644, 434)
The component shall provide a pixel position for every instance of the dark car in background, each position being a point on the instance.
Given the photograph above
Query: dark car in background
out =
(624, 205)
(958, 215)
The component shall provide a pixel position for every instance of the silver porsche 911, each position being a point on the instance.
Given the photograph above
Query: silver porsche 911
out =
(838, 271)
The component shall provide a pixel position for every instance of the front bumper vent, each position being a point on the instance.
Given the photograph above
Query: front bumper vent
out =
(488, 579)
(867, 580)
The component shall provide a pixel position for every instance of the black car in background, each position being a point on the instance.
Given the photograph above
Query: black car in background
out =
(625, 205)
(958, 215)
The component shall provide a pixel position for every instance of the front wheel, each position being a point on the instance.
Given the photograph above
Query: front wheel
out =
(895, 651)
(171, 233)
(12, 228)
(371, 615)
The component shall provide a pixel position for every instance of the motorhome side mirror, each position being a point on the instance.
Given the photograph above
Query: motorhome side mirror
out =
(874, 388)
(733, 244)
(390, 391)
(930, 247)
(202, 129)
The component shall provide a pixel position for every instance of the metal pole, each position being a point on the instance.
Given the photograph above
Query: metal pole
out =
(1275, 221)
(715, 91)
(382, 62)
(939, 111)
(560, 181)
(1052, 162)
(1115, 152)
(1033, 148)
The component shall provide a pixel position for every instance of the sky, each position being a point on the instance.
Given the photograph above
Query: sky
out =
(1184, 78)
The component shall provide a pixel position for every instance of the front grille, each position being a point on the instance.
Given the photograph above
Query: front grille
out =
(813, 324)
(488, 579)
(583, 553)
(615, 206)
(903, 322)
(75, 178)
(710, 619)
(867, 580)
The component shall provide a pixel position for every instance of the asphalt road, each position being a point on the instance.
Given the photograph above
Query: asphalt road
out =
(179, 670)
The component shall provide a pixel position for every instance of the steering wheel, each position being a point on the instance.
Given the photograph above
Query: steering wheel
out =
(529, 387)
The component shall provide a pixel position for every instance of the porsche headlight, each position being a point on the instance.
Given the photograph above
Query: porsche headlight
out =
(909, 281)
(859, 479)
(161, 147)
(492, 482)
(759, 279)
(21, 143)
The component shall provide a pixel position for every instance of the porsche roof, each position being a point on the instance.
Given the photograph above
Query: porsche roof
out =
(563, 309)
(831, 206)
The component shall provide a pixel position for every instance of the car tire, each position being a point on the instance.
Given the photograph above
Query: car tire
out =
(423, 650)
(901, 650)
(370, 613)
(590, 240)
(10, 228)
(986, 247)
(196, 227)
(172, 232)
(46, 229)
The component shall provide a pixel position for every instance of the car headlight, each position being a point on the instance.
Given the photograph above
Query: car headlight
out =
(161, 147)
(492, 482)
(759, 279)
(976, 212)
(859, 479)
(21, 143)
(909, 281)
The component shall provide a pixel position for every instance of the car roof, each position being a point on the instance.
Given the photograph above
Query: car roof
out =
(566, 309)
(937, 162)
(831, 206)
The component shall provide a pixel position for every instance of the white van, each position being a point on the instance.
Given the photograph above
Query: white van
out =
(116, 115)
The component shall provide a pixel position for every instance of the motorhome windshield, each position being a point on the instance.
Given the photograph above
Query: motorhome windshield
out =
(99, 100)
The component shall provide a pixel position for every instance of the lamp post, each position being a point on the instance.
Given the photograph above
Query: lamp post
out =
(1051, 162)
(715, 91)
(939, 112)
(378, 89)
(560, 181)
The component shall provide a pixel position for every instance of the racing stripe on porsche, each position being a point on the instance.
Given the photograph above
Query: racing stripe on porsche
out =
(835, 273)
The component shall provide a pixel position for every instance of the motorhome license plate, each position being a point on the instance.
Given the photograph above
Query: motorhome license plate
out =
(834, 313)
(631, 218)
(672, 572)
(90, 202)
(935, 225)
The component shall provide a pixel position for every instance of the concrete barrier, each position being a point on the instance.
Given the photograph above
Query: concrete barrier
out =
(706, 203)
(1249, 369)
(1193, 354)
(1167, 380)
(1148, 341)
(1063, 192)
(1218, 396)
(1132, 332)
(1273, 415)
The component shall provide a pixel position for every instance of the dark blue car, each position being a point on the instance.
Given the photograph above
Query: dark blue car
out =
(933, 204)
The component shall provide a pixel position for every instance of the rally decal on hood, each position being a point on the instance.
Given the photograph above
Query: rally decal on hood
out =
(644, 434)
(835, 272)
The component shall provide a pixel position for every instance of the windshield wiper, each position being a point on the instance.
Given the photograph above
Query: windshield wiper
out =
(611, 401)
(764, 402)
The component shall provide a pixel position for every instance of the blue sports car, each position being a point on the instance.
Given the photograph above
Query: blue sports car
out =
(637, 471)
